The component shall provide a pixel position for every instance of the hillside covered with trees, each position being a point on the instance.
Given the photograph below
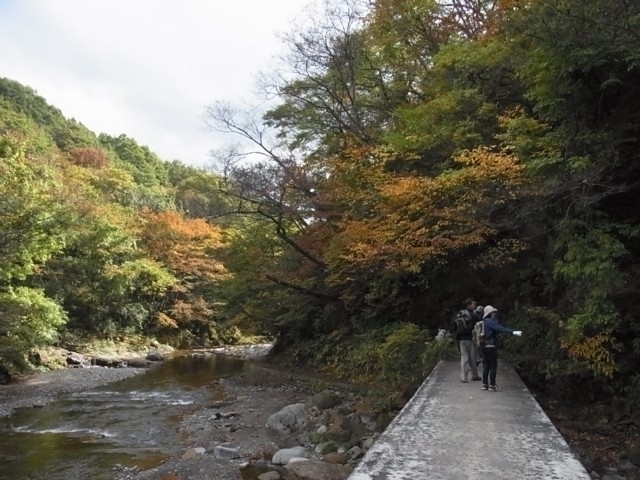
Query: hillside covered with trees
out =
(99, 237)
(426, 151)
(421, 152)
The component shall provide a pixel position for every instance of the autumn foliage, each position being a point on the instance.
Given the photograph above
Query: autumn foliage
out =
(420, 152)
(184, 245)
(89, 157)
(448, 149)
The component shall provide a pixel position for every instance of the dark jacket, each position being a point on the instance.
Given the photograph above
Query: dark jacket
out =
(491, 330)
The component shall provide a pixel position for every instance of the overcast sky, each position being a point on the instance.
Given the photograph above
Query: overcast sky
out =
(145, 68)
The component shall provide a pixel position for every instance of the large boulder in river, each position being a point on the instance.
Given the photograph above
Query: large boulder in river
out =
(75, 359)
(290, 419)
(155, 356)
(107, 361)
(284, 456)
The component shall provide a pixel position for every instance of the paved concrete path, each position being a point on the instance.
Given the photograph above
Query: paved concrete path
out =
(452, 430)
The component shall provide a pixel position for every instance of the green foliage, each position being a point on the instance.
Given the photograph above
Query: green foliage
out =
(246, 290)
(71, 135)
(199, 195)
(439, 348)
(452, 121)
(144, 276)
(17, 130)
(402, 355)
(28, 319)
(631, 390)
(32, 214)
(589, 266)
(28, 102)
(540, 354)
(73, 211)
(493, 153)
(545, 97)
(114, 184)
(105, 282)
(590, 255)
(145, 166)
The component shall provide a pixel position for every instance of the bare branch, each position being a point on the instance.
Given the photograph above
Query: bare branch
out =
(298, 288)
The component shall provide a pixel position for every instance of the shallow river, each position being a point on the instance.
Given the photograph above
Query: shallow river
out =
(131, 423)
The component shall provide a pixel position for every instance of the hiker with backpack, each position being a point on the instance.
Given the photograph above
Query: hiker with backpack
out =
(462, 330)
(486, 337)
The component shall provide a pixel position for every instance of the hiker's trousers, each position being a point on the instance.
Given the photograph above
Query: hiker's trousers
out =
(468, 361)
(490, 363)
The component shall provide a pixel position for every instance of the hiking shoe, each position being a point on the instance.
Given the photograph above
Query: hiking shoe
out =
(493, 388)
(485, 387)
(476, 379)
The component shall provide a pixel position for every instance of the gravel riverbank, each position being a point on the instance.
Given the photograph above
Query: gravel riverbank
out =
(41, 388)
(238, 421)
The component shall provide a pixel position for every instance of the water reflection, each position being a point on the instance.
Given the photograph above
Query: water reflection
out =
(194, 371)
(132, 423)
(64, 456)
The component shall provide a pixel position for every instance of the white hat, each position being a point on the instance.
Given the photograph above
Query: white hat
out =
(488, 310)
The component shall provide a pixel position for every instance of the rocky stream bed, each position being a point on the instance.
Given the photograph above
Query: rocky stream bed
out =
(263, 416)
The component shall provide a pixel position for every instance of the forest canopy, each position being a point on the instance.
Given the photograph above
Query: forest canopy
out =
(97, 238)
(420, 152)
(426, 151)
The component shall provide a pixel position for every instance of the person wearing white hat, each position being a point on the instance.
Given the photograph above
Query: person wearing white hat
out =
(490, 348)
